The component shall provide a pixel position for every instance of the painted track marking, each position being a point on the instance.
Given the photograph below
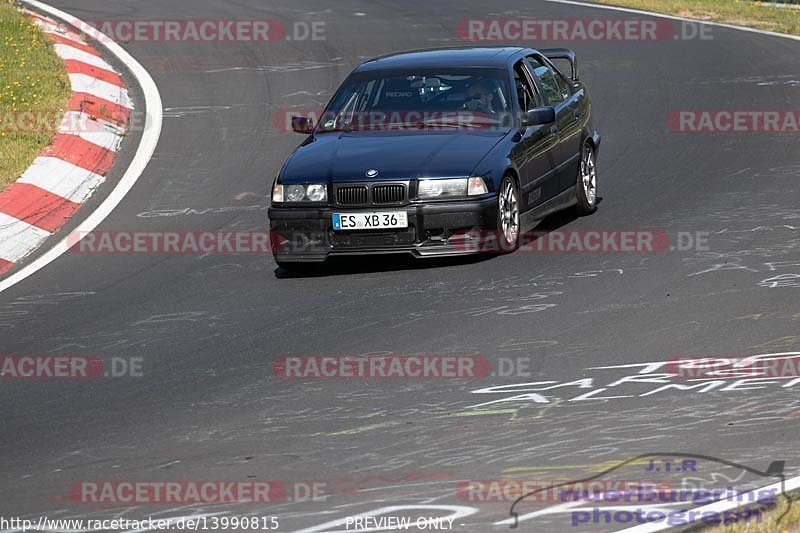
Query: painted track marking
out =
(147, 145)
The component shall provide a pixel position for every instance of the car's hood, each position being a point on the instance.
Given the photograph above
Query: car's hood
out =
(396, 156)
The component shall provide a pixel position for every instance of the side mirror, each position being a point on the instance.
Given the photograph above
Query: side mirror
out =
(302, 125)
(539, 116)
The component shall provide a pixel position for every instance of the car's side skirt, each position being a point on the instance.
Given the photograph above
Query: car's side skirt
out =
(564, 200)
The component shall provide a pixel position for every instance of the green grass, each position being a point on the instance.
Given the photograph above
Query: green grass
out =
(741, 12)
(32, 78)
(769, 522)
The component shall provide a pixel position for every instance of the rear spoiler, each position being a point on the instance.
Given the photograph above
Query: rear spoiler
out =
(563, 53)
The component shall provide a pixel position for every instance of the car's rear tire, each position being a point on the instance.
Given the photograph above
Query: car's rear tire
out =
(586, 186)
(508, 227)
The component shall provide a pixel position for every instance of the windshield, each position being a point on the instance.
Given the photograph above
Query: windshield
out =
(420, 99)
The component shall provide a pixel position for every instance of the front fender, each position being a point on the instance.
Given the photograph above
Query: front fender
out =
(496, 163)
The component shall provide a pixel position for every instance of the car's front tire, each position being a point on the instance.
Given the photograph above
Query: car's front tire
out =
(586, 186)
(508, 215)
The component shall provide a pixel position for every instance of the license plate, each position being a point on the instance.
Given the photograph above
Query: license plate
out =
(382, 220)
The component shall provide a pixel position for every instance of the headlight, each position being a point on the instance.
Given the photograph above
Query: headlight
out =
(315, 192)
(442, 188)
(451, 188)
(295, 193)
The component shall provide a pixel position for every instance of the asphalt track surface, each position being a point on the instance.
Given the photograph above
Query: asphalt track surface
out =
(209, 327)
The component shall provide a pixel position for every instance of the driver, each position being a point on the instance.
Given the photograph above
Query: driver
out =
(480, 97)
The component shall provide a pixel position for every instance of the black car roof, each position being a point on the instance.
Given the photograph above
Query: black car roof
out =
(487, 57)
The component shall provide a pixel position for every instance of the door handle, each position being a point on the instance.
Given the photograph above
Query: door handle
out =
(554, 130)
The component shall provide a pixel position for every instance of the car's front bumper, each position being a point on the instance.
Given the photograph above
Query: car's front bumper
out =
(305, 234)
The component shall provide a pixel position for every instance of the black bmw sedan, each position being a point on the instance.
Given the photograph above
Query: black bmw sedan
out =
(428, 152)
